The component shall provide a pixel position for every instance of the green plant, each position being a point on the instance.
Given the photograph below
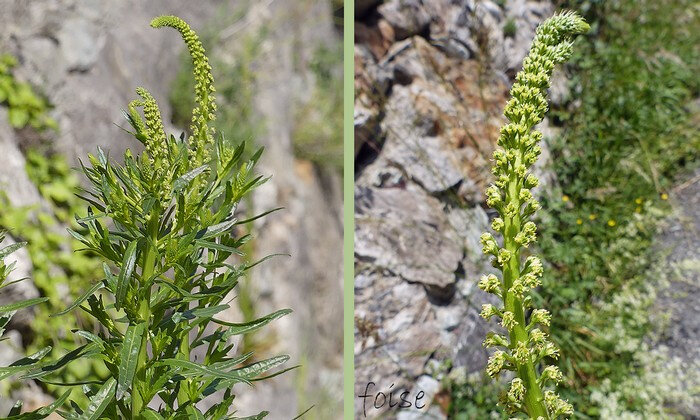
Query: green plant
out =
(526, 345)
(317, 136)
(59, 272)
(166, 221)
(25, 107)
(510, 28)
(29, 362)
(236, 120)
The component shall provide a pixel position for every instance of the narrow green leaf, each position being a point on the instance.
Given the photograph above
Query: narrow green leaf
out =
(258, 416)
(45, 369)
(11, 248)
(95, 287)
(265, 258)
(125, 273)
(42, 412)
(194, 413)
(23, 364)
(128, 356)
(90, 337)
(216, 230)
(189, 369)
(247, 327)
(263, 214)
(217, 247)
(100, 401)
(16, 409)
(22, 304)
(149, 414)
(251, 371)
(109, 277)
(302, 413)
(185, 179)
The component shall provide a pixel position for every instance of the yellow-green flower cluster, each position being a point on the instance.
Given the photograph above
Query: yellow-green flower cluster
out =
(204, 88)
(525, 345)
(156, 146)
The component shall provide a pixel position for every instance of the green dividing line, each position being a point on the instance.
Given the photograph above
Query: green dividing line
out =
(348, 208)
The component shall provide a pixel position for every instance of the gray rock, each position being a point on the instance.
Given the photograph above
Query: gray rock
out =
(412, 225)
(14, 181)
(81, 42)
(419, 190)
(407, 17)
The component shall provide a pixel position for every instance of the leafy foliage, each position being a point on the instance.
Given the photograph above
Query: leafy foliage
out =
(26, 363)
(58, 271)
(526, 344)
(25, 106)
(166, 225)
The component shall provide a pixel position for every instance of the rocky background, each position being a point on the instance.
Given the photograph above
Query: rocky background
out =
(87, 57)
(431, 80)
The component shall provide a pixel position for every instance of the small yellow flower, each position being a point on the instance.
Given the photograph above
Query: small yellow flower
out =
(638, 210)
(611, 223)
(638, 200)
(664, 196)
(592, 216)
(579, 221)
(564, 198)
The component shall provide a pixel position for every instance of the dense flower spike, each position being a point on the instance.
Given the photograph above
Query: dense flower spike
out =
(204, 88)
(512, 197)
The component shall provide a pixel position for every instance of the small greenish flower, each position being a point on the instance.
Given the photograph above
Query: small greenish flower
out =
(488, 311)
(516, 391)
(495, 340)
(495, 363)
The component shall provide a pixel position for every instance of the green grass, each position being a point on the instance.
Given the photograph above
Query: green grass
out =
(621, 148)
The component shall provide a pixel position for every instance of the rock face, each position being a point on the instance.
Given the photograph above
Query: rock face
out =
(431, 80)
(88, 57)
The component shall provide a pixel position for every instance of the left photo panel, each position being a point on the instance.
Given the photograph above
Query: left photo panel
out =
(171, 209)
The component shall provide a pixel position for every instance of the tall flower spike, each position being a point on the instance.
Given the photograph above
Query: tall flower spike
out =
(205, 111)
(510, 196)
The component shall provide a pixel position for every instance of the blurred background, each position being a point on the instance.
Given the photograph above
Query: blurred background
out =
(620, 187)
(69, 68)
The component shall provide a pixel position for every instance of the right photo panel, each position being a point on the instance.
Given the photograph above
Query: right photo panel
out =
(527, 197)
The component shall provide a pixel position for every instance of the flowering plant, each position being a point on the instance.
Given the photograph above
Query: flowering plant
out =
(165, 222)
(526, 345)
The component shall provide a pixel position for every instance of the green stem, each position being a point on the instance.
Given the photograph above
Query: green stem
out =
(184, 354)
(534, 400)
(138, 403)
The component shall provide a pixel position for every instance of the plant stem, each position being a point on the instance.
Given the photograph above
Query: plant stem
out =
(534, 401)
(149, 262)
